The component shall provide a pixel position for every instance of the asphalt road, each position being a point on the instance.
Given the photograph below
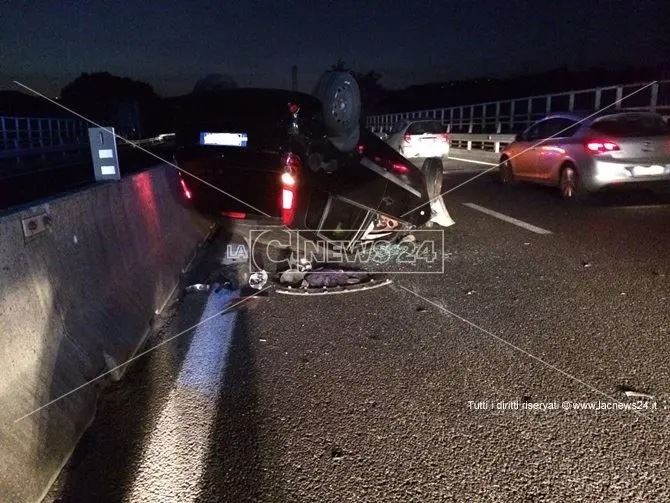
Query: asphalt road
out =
(397, 394)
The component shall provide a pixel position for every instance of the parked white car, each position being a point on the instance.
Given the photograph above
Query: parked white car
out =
(421, 138)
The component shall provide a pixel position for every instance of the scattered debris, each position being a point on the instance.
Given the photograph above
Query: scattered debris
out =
(262, 340)
(469, 292)
(258, 280)
(308, 292)
(586, 264)
(198, 287)
(421, 309)
(637, 394)
(439, 213)
(526, 244)
(304, 265)
(325, 277)
(113, 368)
(227, 285)
(336, 453)
(408, 239)
(291, 277)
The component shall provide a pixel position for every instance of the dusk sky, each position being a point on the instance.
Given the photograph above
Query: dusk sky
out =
(171, 43)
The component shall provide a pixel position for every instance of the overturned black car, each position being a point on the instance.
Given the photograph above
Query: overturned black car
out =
(300, 160)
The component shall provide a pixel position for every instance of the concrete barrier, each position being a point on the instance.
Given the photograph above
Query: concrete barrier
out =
(74, 299)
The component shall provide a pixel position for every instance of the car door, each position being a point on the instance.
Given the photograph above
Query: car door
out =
(537, 154)
(551, 153)
(522, 155)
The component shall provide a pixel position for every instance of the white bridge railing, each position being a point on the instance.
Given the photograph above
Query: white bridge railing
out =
(491, 142)
(490, 125)
(26, 136)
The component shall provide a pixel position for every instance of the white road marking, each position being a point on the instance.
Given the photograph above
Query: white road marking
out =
(175, 457)
(510, 220)
(485, 163)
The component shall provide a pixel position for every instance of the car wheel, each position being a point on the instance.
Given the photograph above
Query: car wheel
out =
(506, 172)
(432, 169)
(569, 184)
(341, 100)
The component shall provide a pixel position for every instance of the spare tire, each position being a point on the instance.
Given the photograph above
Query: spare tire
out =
(341, 99)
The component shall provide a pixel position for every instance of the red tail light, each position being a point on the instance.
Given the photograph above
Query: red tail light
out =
(289, 183)
(444, 137)
(234, 214)
(601, 146)
(400, 168)
(287, 199)
(407, 138)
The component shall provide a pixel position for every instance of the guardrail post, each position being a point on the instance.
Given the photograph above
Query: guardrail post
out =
(598, 97)
(511, 116)
(529, 113)
(619, 97)
(41, 132)
(472, 118)
(469, 145)
(29, 130)
(498, 121)
(571, 104)
(548, 109)
(496, 147)
(484, 106)
(654, 97)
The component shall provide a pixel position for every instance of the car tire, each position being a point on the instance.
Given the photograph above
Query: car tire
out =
(506, 173)
(569, 184)
(341, 100)
(433, 169)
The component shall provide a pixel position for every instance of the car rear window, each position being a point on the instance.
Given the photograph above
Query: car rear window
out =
(431, 127)
(632, 125)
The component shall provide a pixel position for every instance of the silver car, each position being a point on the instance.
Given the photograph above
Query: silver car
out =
(583, 156)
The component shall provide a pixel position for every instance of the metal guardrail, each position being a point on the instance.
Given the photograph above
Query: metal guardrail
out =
(489, 142)
(515, 115)
(27, 136)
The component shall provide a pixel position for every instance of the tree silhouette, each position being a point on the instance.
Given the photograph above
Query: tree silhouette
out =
(115, 101)
(214, 82)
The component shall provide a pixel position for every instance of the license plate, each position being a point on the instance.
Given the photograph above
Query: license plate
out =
(648, 170)
(222, 139)
(428, 140)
